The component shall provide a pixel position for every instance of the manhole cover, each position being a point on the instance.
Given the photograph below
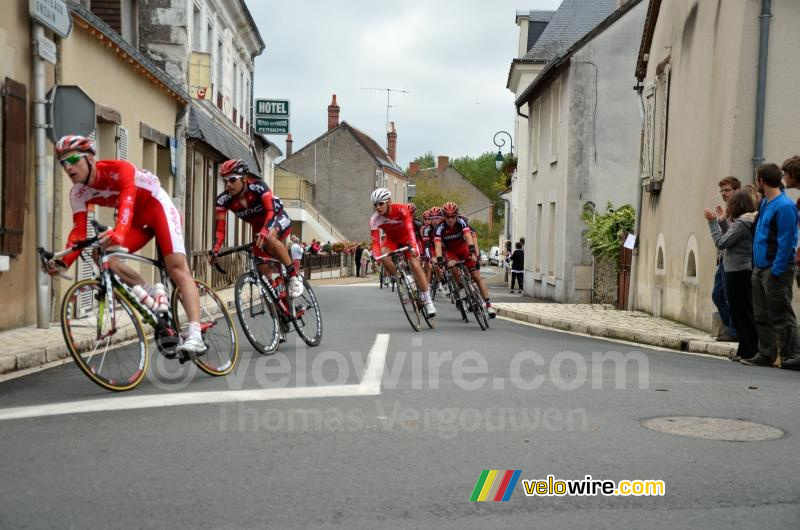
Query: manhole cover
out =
(714, 428)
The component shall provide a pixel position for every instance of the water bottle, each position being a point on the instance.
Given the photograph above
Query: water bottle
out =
(141, 294)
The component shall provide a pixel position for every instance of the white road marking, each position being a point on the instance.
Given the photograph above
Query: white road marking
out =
(370, 385)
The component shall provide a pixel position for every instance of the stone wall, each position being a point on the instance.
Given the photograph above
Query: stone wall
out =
(605, 281)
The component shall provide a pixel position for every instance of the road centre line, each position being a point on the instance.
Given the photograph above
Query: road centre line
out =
(370, 385)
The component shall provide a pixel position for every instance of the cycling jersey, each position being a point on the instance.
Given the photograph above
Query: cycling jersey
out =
(255, 205)
(453, 237)
(397, 226)
(144, 208)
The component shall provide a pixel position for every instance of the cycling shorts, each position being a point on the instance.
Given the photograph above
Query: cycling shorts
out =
(283, 224)
(462, 253)
(157, 216)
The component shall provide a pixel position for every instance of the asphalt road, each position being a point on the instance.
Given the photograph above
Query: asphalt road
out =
(453, 401)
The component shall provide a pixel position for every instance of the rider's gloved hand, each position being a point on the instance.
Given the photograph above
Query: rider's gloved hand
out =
(54, 267)
(111, 238)
(440, 260)
(212, 256)
(472, 250)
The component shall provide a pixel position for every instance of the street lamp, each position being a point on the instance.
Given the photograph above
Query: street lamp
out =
(498, 160)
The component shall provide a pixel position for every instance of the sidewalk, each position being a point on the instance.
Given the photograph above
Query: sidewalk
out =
(605, 321)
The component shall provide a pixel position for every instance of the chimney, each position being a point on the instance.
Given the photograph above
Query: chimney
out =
(442, 163)
(391, 143)
(289, 145)
(333, 114)
(413, 169)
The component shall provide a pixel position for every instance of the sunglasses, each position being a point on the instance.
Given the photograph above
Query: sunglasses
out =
(231, 179)
(379, 204)
(450, 216)
(71, 160)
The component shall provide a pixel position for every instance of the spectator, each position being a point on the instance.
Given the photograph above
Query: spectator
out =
(326, 248)
(774, 246)
(522, 242)
(314, 247)
(719, 294)
(359, 253)
(296, 251)
(517, 261)
(737, 243)
(791, 178)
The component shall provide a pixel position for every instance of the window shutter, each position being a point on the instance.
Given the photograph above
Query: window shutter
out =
(122, 143)
(15, 166)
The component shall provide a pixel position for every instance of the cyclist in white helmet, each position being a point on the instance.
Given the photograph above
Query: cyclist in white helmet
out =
(397, 223)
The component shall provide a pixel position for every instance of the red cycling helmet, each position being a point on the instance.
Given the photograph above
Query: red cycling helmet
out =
(426, 214)
(74, 142)
(435, 212)
(450, 208)
(412, 208)
(233, 166)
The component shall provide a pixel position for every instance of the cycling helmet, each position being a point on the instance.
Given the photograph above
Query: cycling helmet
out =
(233, 166)
(426, 214)
(450, 208)
(412, 208)
(381, 195)
(435, 212)
(74, 142)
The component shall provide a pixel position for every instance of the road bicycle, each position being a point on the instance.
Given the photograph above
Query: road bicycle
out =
(265, 308)
(101, 320)
(407, 290)
(468, 295)
(384, 280)
(454, 292)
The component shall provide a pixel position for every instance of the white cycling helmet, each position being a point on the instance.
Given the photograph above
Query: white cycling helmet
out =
(381, 195)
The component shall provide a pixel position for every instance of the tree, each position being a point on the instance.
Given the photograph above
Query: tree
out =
(483, 174)
(487, 238)
(424, 161)
(430, 193)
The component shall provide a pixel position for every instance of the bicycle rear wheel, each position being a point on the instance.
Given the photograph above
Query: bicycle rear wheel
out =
(219, 332)
(104, 336)
(306, 316)
(455, 293)
(476, 304)
(407, 301)
(257, 314)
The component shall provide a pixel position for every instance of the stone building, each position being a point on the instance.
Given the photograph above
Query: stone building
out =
(344, 166)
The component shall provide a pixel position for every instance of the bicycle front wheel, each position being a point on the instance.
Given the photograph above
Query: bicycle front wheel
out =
(476, 304)
(306, 316)
(104, 336)
(407, 301)
(257, 314)
(216, 325)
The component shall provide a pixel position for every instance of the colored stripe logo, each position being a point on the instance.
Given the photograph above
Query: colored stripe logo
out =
(496, 485)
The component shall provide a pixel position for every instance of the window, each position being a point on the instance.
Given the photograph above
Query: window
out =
(690, 265)
(555, 119)
(130, 21)
(197, 27)
(551, 241)
(209, 37)
(538, 247)
(654, 146)
(536, 127)
(220, 62)
(235, 91)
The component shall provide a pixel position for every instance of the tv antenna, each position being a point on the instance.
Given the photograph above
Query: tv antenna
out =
(388, 99)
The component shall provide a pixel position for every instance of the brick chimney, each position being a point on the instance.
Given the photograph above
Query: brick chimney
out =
(413, 169)
(442, 162)
(333, 114)
(391, 143)
(289, 143)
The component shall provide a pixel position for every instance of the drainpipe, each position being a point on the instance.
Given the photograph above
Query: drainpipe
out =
(639, 200)
(761, 89)
(40, 124)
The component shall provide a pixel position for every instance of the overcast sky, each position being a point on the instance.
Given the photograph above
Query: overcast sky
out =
(452, 56)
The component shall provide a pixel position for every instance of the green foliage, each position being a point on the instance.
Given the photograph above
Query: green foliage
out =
(483, 174)
(430, 193)
(486, 238)
(425, 161)
(509, 165)
(606, 231)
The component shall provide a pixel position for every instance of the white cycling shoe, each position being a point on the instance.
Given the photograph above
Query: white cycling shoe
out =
(490, 310)
(193, 345)
(295, 287)
(430, 310)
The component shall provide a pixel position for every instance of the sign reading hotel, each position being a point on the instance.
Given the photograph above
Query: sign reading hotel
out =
(272, 116)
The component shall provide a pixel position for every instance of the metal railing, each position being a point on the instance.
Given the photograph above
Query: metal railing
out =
(234, 265)
(313, 212)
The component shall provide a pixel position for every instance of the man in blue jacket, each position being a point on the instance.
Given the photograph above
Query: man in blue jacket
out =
(774, 269)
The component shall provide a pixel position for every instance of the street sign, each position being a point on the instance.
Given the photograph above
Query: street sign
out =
(70, 111)
(271, 125)
(52, 14)
(272, 108)
(46, 49)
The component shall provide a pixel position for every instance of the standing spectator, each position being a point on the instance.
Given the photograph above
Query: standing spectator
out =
(359, 254)
(737, 243)
(774, 246)
(791, 178)
(719, 294)
(522, 242)
(326, 248)
(517, 262)
(296, 250)
(314, 247)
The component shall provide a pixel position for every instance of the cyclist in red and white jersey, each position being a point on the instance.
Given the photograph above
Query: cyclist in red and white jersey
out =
(253, 202)
(454, 241)
(144, 210)
(397, 224)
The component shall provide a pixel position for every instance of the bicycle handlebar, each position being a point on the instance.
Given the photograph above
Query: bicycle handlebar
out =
(398, 251)
(228, 252)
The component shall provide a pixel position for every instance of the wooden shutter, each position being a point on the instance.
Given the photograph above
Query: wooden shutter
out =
(15, 166)
(110, 12)
(122, 143)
